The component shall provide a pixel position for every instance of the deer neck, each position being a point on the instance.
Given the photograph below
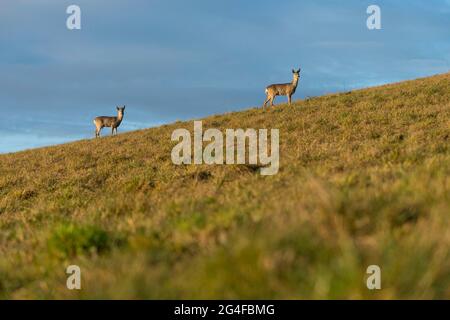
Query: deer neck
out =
(295, 83)
(119, 117)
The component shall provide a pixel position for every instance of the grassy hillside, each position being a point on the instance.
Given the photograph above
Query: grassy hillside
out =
(364, 179)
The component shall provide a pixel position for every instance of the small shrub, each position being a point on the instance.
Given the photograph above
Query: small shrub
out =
(69, 240)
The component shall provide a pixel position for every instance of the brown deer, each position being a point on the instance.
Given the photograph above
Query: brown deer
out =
(285, 89)
(113, 122)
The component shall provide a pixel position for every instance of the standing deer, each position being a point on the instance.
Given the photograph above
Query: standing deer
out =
(285, 89)
(113, 122)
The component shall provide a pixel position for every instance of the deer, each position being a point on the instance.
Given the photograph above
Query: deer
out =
(285, 89)
(113, 122)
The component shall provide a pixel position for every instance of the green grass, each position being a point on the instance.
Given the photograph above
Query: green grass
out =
(364, 179)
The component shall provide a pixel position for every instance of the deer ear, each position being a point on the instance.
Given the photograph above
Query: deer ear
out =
(117, 108)
(293, 71)
(123, 107)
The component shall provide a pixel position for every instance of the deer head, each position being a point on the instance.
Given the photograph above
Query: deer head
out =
(296, 74)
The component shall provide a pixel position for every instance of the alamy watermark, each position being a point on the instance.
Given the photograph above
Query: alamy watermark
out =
(374, 20)
(373, 281)
(73, 22)
(235, 147)
(74, 279)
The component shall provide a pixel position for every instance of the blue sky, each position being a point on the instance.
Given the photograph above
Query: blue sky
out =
(173, 60)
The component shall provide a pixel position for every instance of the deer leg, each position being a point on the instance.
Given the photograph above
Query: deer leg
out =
(289, 99)
(271, 100)
(112, 131)
(265, 102)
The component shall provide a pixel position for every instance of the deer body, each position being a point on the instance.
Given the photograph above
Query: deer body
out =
(284, 89)
(113, 122)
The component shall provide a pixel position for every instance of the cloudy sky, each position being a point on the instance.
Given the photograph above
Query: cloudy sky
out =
(169, 60)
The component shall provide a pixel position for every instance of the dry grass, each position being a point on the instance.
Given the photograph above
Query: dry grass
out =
(364, 179)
